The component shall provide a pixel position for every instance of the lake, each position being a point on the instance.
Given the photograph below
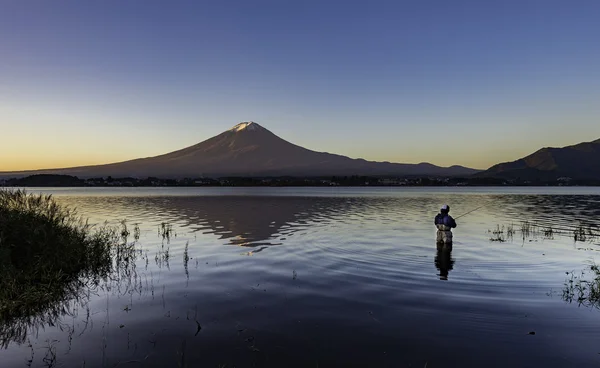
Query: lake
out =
(320, 277)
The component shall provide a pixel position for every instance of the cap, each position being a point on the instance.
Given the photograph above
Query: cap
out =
(445, 208)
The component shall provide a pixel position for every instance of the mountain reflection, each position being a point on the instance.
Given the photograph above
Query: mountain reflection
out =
(349, 253)
(559, 211)
(252, 220)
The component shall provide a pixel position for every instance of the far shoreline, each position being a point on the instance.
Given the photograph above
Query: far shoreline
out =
(68, 181)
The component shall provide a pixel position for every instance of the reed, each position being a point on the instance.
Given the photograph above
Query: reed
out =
(48, 252)
(581, 233)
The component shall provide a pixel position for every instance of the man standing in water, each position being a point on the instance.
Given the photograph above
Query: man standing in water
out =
(444, 223)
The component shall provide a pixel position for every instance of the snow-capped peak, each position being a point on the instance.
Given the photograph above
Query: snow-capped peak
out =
(247, 125)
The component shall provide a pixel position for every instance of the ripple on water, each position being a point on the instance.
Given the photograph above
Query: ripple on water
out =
(336, 276)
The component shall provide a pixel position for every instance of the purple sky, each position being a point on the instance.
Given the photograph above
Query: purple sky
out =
(448, 82)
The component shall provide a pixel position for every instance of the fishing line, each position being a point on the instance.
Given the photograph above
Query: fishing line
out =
(464, 214)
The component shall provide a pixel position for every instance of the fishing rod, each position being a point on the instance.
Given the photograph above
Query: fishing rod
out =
(469, 212)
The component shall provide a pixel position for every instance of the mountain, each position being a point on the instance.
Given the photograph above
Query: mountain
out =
(248, 149)
(580, 161)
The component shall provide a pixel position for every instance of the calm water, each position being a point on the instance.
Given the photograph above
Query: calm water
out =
(329, 277)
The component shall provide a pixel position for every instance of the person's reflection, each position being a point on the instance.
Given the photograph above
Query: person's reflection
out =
(443, 260)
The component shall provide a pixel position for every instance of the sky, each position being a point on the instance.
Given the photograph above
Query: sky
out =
(461, 82)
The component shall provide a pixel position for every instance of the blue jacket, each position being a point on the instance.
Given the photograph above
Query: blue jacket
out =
(444, 219)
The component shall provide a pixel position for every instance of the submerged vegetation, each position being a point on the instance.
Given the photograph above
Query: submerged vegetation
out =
(47, 254)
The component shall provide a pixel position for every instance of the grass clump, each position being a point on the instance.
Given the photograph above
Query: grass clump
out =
(47, 253)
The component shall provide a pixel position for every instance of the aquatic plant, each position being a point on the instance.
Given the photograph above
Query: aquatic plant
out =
(579, 234)
(124, 231)
(582, 289)
(47, 254)
(528, 230)
(583, 233)
(165, 230)
(548, 232)
(136, 232)
(498, 234)
(510, 231)
(162, 258)
(186, 259)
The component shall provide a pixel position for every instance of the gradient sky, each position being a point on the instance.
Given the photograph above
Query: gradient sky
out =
(448, 82)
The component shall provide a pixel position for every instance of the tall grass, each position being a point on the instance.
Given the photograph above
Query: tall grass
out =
(47, 253)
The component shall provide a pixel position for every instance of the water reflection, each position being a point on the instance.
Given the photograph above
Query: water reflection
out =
(252, 220)
(268, 220)
(340, 280)
(115, 273)
(562, 212)
(443, 260)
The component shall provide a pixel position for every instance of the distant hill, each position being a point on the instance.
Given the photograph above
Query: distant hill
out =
(248, 149)
(46, 180)
(580, 162)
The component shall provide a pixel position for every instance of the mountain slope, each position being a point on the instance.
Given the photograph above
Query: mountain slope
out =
(248, 149)
(579, 161)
